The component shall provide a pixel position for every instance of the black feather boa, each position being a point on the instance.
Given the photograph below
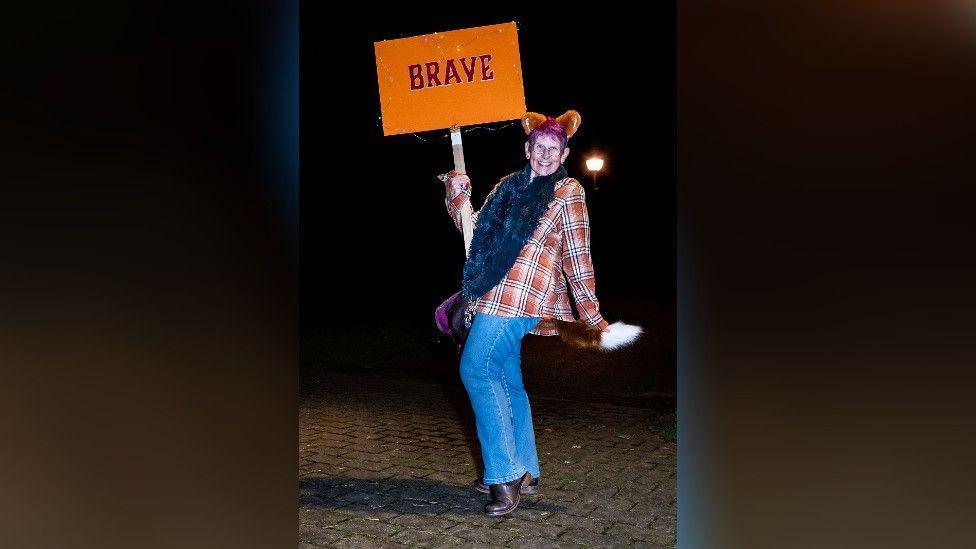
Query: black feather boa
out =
(504, 225)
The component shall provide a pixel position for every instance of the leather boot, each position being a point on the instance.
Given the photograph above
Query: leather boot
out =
(505, 497)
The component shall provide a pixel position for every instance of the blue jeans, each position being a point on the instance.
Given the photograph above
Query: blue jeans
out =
(492, 374)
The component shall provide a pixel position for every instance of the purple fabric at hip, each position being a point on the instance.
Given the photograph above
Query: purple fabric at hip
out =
(440, 315)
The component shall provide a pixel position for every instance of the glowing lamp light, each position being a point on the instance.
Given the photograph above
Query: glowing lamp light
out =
(594, 164)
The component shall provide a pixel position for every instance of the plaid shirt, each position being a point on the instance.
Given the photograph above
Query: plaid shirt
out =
(535, 285)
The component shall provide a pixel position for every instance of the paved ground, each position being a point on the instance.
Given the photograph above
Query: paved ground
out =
(387, 463)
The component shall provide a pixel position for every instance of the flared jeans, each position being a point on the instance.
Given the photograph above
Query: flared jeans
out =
(492, 374)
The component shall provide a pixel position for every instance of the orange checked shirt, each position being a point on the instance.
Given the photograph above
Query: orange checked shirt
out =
(535, 286)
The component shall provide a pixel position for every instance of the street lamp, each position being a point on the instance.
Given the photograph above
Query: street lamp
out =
(594, 164)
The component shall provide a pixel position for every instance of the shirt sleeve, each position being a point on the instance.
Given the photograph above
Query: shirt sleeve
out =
(456, 203)
(577, 263)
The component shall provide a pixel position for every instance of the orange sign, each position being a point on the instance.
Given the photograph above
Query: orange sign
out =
(462, 77)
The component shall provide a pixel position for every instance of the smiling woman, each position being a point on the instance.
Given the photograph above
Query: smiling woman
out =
(531, 232)
(546, 148)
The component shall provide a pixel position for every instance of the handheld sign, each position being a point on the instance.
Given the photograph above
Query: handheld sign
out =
(457, 78)
(447, 80)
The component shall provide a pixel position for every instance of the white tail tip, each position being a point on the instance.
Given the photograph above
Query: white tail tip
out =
(619, 335)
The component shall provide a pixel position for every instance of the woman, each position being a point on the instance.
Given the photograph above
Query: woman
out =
(532, 228)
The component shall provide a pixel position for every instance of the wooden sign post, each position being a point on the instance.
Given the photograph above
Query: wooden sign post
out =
(467, 221)
(448, 80)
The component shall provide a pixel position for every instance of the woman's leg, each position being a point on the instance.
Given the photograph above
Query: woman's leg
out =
(525, 450)
(489, 345)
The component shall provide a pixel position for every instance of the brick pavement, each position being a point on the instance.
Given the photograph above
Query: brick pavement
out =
(388, 463)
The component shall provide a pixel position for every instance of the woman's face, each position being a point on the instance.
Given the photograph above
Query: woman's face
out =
(545, 155)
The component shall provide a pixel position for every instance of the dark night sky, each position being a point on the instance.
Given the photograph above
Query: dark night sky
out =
(374, 232)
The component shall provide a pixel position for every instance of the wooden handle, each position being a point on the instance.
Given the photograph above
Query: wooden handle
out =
(467, 223)
(458, 149)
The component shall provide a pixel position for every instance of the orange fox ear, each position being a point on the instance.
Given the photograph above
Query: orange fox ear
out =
(570, 121)
(530, 120)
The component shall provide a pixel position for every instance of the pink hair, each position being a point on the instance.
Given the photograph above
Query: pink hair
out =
(550, 127)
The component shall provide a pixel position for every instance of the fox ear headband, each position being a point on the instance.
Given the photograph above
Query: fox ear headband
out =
(570, 121)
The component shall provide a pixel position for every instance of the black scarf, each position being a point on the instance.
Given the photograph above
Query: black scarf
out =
(504, 225)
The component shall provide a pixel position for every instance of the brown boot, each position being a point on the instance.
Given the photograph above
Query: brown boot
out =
(505, 497)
